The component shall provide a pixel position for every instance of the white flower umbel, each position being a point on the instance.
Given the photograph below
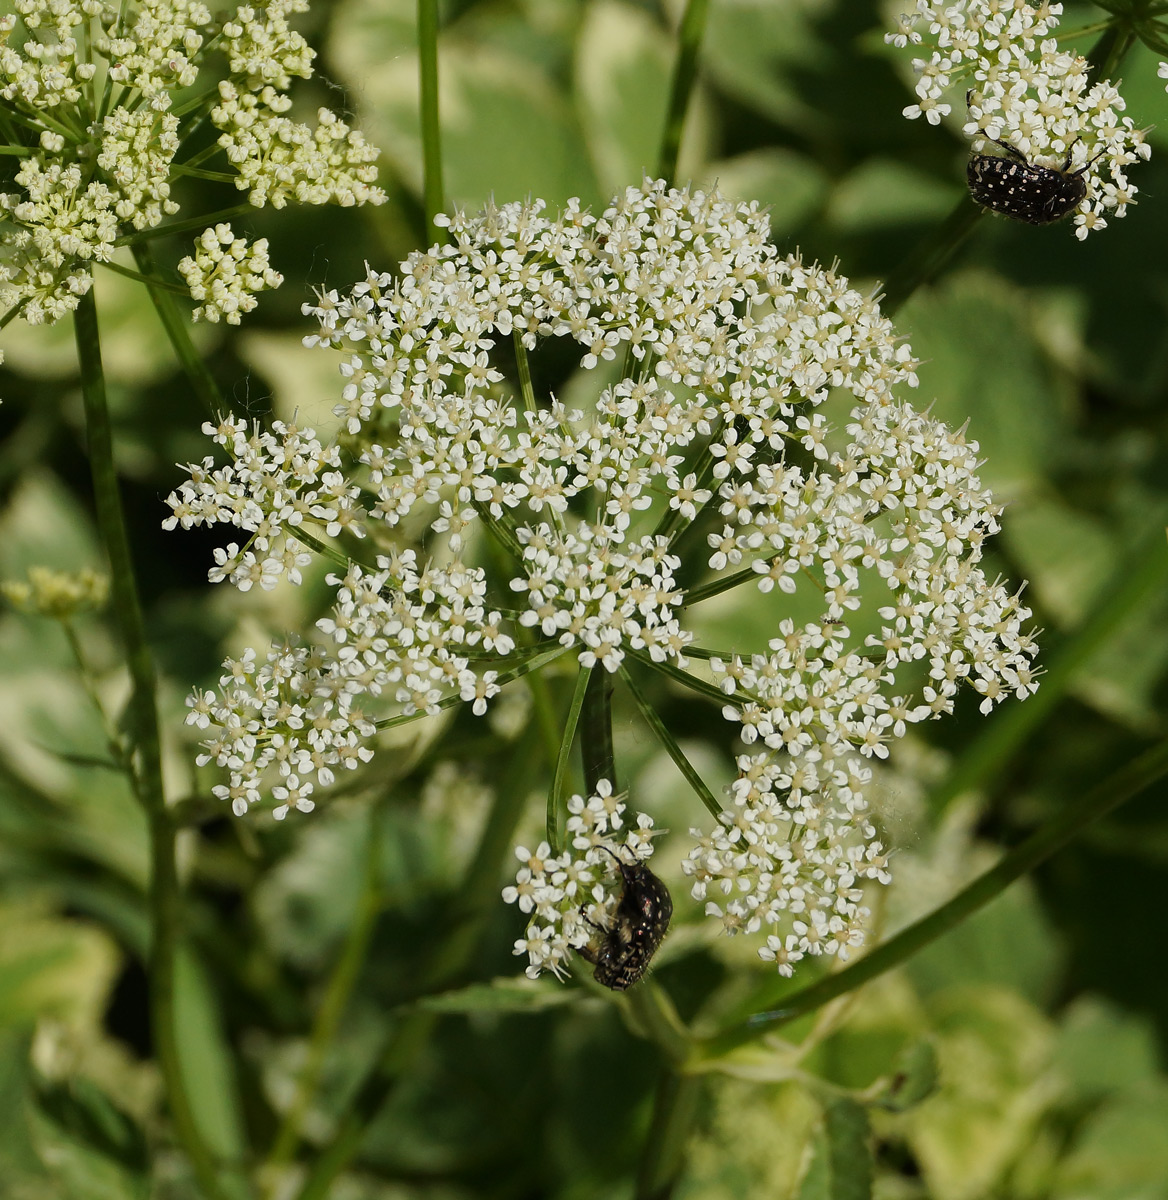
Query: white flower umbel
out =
(727, 351)
(1024, 91)
(569, 898)
(91, 85)
(226, 274)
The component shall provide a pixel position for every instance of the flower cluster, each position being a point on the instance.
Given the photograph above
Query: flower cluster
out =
(1022, 90)
(92, 85)
(397, 631)
(58, 594)
(711, 463)
(276, 481)
(571, 897)
(226, 273)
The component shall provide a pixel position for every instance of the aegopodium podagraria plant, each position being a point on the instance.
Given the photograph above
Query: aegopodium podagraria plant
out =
(710, 458)
(108, 104)
(1002, 63)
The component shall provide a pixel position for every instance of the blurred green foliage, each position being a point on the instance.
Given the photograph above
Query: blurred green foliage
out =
(1020, 1056)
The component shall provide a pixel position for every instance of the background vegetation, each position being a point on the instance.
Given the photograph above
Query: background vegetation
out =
(1020, 1055)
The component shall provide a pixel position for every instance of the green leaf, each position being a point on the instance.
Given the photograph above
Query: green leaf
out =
(841, 1163)
(1102, 1048)
(791, 185)
(1121, 1153)
(749, 49)
(882, 192)
(621, 69)
(1067, 555)
(994, 1051)
(1009, 943)
(518, 995)
(18, 1156)
(849, 1150)
(82, 1111)
(52, 967)
(78, 1173)
(207, 1062)
(981, 362)
(913, 1079)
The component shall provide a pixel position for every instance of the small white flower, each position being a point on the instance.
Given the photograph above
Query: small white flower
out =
(1021, 89)
(56, 72)
(572, 895)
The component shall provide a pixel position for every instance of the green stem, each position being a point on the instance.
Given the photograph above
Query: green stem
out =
(177, 326)
(202, 173)
(555, 800)
(656, 1019)
(1129, 781)
(927, 258)
(596, 751)
(207, 221)
(1109, 51)
(142, 724)
(689, 41)
(172, 289)
(993, 749)
(431, 130)
(675, 1109)
(524, 368)
(675, 752)
(332, 1008)
(409, 1037)
(112, 739)
(532, 664)
(718, 586)
(711, 691)
(499, 530)
(545, 716)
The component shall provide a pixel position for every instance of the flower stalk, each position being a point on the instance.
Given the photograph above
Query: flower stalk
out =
(142, 722)
(685, 72)
(431, 129)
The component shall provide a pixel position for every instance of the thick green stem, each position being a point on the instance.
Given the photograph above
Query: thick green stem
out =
(685, 71)
(431, 131)
(523, 366)
(596, 751)
(663, 1154)
(1123, 785)
(178, 331)
(142, 724)
(715, 588)
(204, 221)
(654, 1017)
(409, 1037)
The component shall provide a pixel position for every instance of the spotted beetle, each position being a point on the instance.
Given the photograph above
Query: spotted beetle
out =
(1017, 188)
(637, 928)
